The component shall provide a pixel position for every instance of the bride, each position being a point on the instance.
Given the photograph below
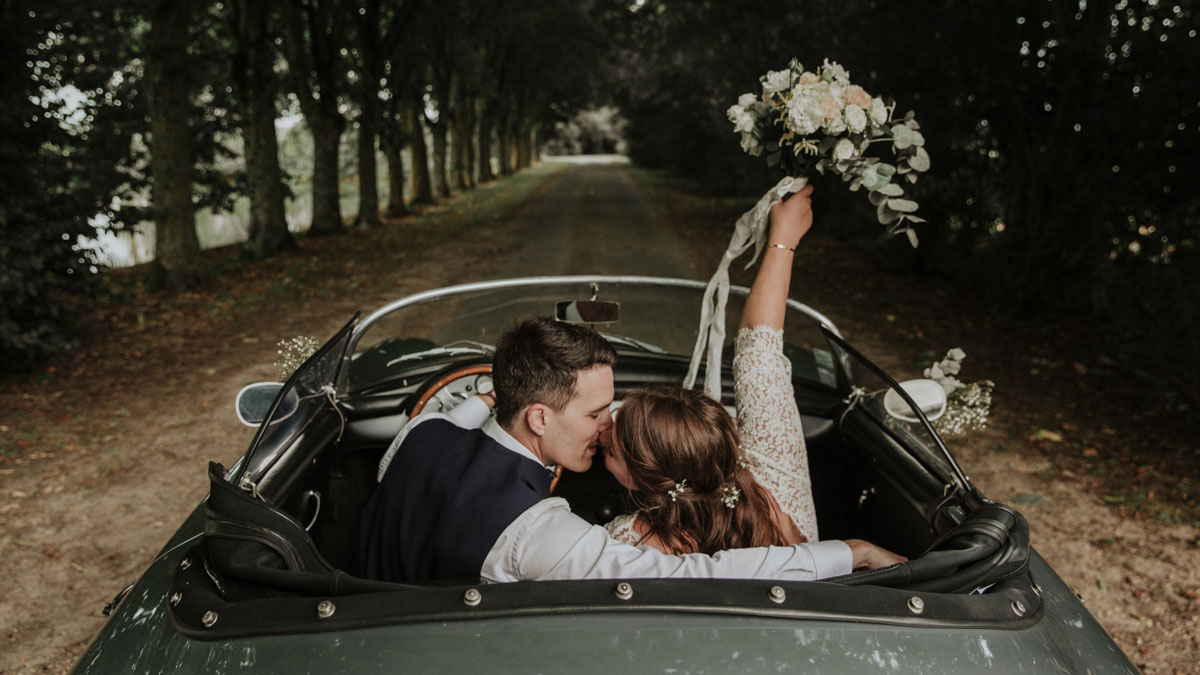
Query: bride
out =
(703, 483)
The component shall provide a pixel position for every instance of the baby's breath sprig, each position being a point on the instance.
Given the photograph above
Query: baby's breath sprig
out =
(293, 352)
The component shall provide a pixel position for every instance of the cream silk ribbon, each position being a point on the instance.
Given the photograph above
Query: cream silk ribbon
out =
(750, 230)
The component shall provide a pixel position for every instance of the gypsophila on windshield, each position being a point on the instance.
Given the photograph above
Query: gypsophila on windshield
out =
(293, 352)
(805, 121)
(679, 489)
(729, 496)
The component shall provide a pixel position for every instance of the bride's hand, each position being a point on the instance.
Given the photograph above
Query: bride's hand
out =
(791, 218)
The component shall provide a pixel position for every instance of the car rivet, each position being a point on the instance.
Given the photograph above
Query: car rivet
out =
(624, 590)
(777, 595)
(916, 605)
(209, 619)
(184, 564)
(1037, 590)
(1018, 607)
(175, 598)
(472, 597)
(325, 609)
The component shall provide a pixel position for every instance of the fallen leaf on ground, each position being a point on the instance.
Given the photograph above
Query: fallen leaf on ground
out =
(1046, 435)
(1090, 452)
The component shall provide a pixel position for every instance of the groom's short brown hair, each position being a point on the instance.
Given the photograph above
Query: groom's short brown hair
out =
(538, 361)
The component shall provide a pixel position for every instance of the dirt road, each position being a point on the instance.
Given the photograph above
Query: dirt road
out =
(103, 452)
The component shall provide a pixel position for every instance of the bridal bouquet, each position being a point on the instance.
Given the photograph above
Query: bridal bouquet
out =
(806, 120)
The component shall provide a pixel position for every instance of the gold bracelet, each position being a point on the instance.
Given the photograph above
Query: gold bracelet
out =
(788, 248)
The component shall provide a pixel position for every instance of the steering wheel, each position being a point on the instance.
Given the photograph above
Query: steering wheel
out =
(442, 382)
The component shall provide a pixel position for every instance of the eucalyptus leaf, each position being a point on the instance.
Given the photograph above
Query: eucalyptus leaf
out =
(842, 166)
(920, 160)
(772, 146)
(902, 205)
(827, 144)
(912, 236)
(773, 158)
(876, 198)
(916, 219)
(892, 190)
(886, 216)
(903, 169)
(912, 123)
(872, 180)
(901, 137)
(917, 139)
(912, 177)
(885, 170)
(856, 184)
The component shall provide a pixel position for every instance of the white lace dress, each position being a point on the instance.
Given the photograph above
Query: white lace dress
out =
(770, 430)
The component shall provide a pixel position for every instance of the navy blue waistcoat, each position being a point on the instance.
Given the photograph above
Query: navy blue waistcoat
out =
(446, 497)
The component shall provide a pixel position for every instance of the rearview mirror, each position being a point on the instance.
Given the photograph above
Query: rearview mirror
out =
(927, 394)
(254, 402)
(588, 311)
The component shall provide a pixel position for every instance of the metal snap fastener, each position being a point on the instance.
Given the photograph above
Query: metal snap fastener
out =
(1018, 607)
(176, 597)
(916, 605)
(209, 619)
(184, 564)
(777, 595)
(472, 597)
(624, 590)
(1037, 590)
(325, 609)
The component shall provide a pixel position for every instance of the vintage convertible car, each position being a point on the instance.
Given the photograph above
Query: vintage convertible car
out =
(263, 574)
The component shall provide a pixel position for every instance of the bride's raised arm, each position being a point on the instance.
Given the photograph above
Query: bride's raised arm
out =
(790, 220)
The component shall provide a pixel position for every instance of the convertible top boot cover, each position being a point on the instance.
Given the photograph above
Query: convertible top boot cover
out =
(989, 546)
(259, 551)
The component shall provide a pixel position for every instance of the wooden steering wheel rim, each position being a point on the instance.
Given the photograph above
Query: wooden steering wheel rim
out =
(446, 379)
(433, 389)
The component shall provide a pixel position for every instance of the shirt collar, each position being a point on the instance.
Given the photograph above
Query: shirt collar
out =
(497, 433)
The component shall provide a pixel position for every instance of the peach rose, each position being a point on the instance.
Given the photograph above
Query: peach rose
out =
(855, 95)
(830, 108)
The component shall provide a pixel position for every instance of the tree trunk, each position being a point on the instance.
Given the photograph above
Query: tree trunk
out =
(368, 190)
(422, 190)
(392, 152)
(504, 145)
(327, 208)
(485, 146)
(439, 157)
(472, 124)
(167, 83)
(254, 80)
(459, 140)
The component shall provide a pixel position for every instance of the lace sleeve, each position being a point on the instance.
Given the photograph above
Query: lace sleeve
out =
(769, 424)
(621, 529)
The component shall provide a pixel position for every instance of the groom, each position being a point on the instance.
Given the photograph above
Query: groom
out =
(457, 500)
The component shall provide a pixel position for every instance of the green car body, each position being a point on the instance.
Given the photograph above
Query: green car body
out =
(190, 613)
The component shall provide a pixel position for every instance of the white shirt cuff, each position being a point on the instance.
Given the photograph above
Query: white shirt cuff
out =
(831, 558)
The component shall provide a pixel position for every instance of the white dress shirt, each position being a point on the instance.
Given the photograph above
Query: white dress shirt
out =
(547, 541)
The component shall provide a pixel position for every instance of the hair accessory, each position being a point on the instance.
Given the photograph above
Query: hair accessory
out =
(784, 247)
(680, 487)
(729, 496)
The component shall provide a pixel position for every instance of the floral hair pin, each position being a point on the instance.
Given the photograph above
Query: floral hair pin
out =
(679, 489)
(729, 496)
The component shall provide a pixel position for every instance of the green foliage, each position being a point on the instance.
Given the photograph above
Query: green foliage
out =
(1064, 135)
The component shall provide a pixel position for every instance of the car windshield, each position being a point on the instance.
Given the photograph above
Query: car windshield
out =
(656, 315)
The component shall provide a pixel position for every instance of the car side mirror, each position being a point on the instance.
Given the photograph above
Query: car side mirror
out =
(927, 394)
(587, 311)
(254, 401)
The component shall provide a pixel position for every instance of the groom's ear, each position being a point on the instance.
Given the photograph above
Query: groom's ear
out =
(535, 418)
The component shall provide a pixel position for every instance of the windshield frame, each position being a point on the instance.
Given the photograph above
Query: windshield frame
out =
(597, 281)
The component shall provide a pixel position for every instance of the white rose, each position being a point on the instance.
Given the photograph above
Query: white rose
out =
(843, 150)
(834, 72)
(835, 125)
(957, 354)
(734, 112)
(804, 115)
(751, 146)
(747, 100)
(856, 119)
(776, 80)
(744, 122)
(878, 111)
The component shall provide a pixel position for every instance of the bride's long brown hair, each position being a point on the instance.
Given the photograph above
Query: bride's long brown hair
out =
(667, 435)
